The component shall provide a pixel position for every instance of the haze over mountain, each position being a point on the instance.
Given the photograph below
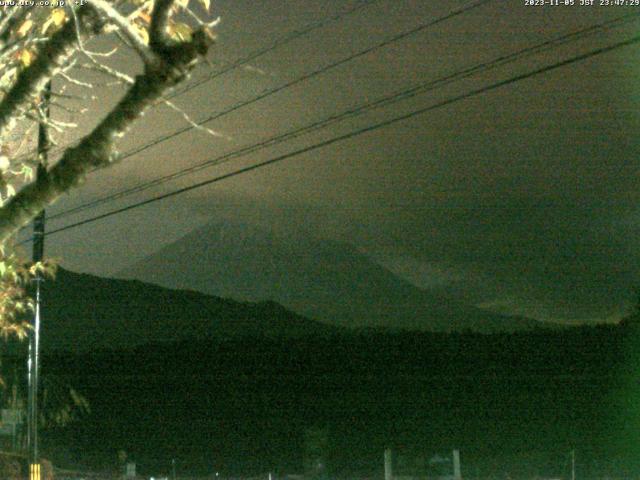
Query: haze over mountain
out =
(328, 281)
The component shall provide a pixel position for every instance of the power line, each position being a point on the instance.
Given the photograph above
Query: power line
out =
(308, 76)
(355, 133)
(385, 101)
(273, 91)
(384, 43)
(277, 43)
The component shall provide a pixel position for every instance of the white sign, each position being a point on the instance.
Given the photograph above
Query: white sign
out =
(131, 469)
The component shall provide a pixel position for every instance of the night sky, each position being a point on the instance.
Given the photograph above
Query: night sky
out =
(523, 199)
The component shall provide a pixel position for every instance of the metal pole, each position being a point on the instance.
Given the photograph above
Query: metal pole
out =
(34, 340)
(388, 465)
(573, 465)
(457, 473)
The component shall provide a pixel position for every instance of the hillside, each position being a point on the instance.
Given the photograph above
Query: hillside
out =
(84, 312)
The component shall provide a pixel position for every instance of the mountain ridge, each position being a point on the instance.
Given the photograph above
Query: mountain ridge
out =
(83, 312)
(324, 280)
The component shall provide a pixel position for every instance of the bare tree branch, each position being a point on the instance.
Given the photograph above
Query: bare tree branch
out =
(75, 81)
(35, 46)
(50, 59)
(191, 121)
(158, 28)
(112, 72)
(17, 14)
(125, 28)
(172, 64)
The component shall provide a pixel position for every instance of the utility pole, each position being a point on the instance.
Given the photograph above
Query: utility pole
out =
(34, 339)
(457, 473)
(573, 464)
(388, 464)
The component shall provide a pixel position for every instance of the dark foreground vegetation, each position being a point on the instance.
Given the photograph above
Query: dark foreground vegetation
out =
(512, 403)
